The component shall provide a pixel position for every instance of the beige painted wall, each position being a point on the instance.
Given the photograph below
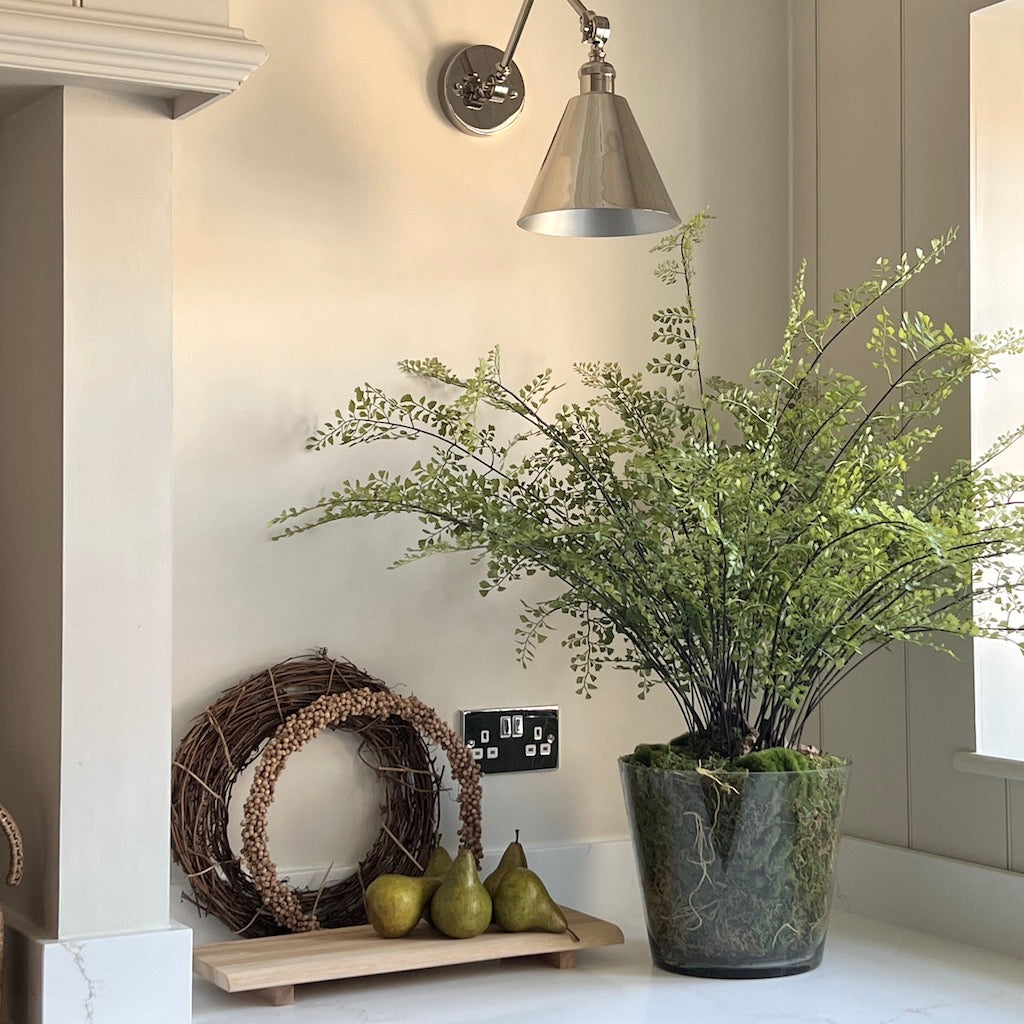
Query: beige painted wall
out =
(328, 222)
(881, 163)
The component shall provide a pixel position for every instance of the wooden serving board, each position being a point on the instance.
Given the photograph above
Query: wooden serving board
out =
(273, 966)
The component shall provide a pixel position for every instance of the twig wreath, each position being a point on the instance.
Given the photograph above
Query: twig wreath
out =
(231, 733)
(289, 907)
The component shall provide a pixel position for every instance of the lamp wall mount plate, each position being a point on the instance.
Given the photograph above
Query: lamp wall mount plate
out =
(461, 85)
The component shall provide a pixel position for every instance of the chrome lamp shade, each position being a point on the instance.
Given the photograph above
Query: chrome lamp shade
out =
(598, 178)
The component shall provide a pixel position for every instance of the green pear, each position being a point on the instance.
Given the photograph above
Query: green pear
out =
(522, 904)
(437, 867)
(395, 903)
(461, 907)
(438, 864)
(513, 857)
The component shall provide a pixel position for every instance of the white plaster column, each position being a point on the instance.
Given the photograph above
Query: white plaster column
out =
(99, 867)
(86, 499)
(116, 693)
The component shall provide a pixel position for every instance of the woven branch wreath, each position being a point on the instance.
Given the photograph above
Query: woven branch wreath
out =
(287, 905)
(230, 734)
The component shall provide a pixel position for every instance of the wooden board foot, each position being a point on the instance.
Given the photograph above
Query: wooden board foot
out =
(278, 995)
(562, 960)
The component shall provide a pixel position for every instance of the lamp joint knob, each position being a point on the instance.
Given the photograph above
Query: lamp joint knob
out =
(471, 91)
(595, 29)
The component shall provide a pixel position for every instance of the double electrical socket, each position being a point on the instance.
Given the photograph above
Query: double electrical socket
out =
(512, 739)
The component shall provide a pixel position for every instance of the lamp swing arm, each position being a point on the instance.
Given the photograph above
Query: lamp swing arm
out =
(594, 29)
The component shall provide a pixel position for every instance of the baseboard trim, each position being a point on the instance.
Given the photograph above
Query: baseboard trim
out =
(597, 876)
(968, 903)
(953, 899)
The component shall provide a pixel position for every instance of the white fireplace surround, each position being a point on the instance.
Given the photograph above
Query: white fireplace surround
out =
(87, 101)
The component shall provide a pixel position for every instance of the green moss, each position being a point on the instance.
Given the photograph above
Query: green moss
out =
(653, 755)
(687, 753)
(777, 759)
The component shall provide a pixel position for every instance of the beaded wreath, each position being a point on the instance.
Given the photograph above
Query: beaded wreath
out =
(288, 906)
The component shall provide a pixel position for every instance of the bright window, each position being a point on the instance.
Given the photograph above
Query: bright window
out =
(997, 301)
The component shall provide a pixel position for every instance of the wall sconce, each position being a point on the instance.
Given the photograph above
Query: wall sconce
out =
(598, 178)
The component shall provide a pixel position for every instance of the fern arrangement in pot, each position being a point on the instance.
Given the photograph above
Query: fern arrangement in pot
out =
(746, 545)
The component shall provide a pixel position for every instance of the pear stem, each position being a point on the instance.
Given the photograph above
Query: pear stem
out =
(517, 835)
(576, 938)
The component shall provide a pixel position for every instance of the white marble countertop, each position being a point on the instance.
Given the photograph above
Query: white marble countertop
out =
(872, 974)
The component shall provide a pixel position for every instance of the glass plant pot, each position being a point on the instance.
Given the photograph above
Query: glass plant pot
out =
(736, 868)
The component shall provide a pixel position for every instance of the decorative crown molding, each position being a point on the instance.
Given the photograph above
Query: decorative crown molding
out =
(190, 63)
